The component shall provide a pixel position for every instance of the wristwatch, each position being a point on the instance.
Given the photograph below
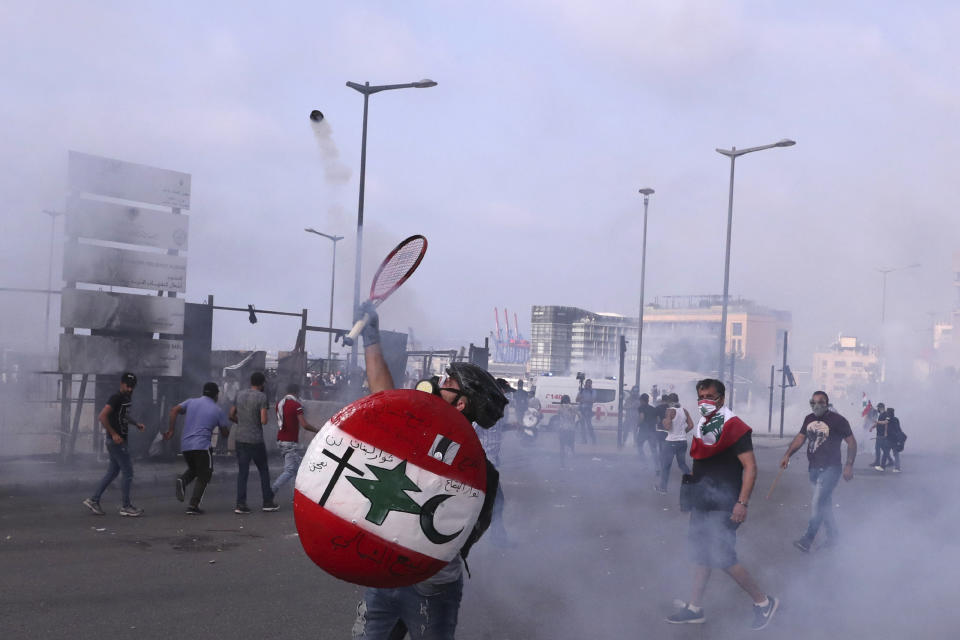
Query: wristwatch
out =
(742, 502)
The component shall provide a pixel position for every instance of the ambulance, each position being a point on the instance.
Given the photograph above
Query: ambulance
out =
(549, 390)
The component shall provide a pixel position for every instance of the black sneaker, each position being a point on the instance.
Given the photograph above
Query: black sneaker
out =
(194, 511)
(803, 544)
(241, 509)
(93, 505)
(131, 511)
(180, 492)
(763, 615)
(271, 506)
(686, 615)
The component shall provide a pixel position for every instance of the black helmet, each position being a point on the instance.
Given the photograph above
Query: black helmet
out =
(485, 401)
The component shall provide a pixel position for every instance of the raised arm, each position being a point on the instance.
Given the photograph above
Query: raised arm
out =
(378, 374)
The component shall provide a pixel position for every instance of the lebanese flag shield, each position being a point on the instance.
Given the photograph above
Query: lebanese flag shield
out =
(389, 489)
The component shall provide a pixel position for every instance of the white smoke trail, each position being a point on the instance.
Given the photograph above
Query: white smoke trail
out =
(334, 171)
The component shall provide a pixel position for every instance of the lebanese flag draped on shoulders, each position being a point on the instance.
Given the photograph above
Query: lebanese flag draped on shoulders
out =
(716, 432)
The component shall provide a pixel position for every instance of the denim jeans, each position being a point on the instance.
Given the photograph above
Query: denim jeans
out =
(669, 450)
(291, 463)
(824, 481)
(428, 611)
(119, 462)
(257, 452)
(890, 454)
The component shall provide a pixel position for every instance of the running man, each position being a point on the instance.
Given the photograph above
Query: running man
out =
(115, 419)
(290, 420)
(203, 415)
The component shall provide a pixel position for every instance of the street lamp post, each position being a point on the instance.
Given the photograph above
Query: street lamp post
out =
(883, 303)
(333, 280)
(647, 192)
(733, 153)
(46, 333)
(367, 90)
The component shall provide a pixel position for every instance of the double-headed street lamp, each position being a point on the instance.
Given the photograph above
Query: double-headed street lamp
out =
(367, 90)
(883, 303)
(333, 280)
(733, 153)
(647, 192)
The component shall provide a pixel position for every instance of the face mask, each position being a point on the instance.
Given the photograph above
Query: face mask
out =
(707, 407)
(818, 409)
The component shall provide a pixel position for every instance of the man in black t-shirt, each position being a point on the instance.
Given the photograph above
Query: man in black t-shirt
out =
(115, 419)
(724, 472)
(823, 430)
(646, 431)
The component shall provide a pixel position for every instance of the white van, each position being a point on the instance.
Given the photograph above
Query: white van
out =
(549, 390)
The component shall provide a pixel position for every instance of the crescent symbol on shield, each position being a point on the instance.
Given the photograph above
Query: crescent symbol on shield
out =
(427, 512)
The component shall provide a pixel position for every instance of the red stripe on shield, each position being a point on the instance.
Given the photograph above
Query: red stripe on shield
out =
(346, 551)
(405, 423)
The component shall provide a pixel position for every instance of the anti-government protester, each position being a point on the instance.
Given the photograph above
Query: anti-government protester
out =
(823, 431)
(724, 472)
(203, 415)
(115, 419)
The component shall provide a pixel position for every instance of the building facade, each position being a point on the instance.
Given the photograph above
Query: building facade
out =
(569, 339)
(846, 367)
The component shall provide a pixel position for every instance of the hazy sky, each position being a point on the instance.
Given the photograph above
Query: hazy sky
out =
(521, 167)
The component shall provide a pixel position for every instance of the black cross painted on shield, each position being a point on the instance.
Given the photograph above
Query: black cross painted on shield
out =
(341, 463)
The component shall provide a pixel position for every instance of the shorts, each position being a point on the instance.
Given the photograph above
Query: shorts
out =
(713, 539)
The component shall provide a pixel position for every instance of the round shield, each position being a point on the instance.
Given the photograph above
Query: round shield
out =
(390, 489)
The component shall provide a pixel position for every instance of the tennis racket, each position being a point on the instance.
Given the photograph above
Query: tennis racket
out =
(395, 269)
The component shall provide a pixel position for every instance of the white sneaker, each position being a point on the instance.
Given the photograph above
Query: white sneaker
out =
(878, 468)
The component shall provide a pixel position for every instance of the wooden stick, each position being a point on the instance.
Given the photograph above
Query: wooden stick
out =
(775, 481)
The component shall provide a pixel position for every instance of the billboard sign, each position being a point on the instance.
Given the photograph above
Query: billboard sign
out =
(129, 181)
(124, 268)
(121, 311)
(106, 355)
(127, 224)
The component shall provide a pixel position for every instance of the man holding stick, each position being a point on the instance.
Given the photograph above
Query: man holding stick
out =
(823, 430)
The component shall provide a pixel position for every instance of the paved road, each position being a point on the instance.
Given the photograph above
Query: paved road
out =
(597, 555)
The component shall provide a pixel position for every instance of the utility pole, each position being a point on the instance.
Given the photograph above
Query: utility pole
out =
(783, 381)
(770, 411)
(623, 354)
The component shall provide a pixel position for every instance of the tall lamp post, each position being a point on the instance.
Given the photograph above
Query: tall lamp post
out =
(883, 303)
(367, 90)
(46, 333)
(647, 192)
(333, 281)
(733, 153)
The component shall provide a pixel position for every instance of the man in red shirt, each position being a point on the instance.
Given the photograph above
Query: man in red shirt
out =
(290, 420)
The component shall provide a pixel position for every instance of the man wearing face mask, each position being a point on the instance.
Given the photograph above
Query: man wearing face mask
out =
(724, 473)
(823, 430)
(429, 609)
